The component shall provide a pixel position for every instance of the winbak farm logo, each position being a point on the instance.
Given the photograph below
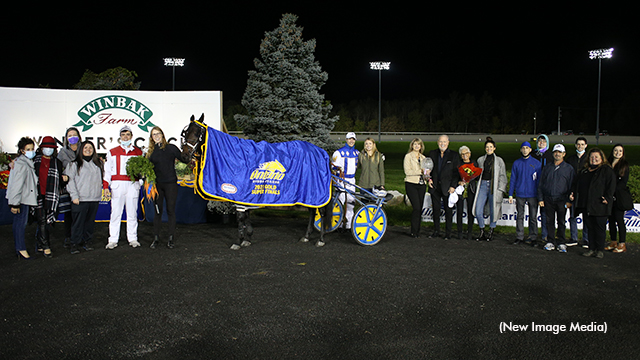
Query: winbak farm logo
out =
(100, 111)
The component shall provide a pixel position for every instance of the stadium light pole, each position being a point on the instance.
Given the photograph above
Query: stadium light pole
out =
(599, 54)
(173, 62)
(379, 65)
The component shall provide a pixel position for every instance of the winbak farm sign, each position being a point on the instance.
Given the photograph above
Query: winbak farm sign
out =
(99, 115)
(100, 110)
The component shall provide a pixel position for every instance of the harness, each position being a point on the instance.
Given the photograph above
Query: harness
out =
(200, 133)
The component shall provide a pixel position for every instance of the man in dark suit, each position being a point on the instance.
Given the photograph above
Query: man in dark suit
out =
(444, 180)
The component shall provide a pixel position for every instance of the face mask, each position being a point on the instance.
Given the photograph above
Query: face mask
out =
(73, 140)
(47, 151)
(580, 152)
(87, 158)
(30, 154)
(125, 143)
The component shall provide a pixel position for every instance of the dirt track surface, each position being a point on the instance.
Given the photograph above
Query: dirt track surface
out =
(403, 298)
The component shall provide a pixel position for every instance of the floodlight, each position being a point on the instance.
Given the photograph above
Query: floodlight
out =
(173, 62)
(601, 54)
(379, 65)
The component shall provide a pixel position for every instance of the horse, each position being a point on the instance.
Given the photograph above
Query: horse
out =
(193, 138)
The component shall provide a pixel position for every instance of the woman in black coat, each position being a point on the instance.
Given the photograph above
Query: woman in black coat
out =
(593, 194)
(622, 201)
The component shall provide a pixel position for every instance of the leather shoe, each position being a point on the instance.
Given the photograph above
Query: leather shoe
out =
(435, 234)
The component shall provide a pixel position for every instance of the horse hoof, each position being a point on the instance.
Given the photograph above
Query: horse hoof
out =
(320, 243)
(235, 247)
(245, 243)
(304, 240)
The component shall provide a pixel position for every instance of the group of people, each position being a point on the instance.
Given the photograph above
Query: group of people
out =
(48, 181)
(586, 183)
(71, 180)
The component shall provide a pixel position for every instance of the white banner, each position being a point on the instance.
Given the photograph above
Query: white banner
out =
(99, 114)
(509, 215)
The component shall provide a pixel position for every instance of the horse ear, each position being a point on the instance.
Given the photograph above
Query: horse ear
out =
(193, 118)
(201, 118)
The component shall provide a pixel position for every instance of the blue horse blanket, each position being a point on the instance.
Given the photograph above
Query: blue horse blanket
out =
(262, 173)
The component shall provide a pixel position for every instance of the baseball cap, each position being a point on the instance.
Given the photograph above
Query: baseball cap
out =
(351, 135)
(558, 147)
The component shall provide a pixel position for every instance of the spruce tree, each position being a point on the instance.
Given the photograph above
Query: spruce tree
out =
(282, 97)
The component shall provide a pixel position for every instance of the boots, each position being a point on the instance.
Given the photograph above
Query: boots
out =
(490, 235)
(156, 241)
(170, 243)
(622, 247)
(612, 245)
(482, 236)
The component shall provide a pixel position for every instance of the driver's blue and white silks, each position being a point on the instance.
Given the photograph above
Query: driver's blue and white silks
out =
(263, 174)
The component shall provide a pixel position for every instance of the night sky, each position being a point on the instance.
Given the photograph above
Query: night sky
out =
(432, 51)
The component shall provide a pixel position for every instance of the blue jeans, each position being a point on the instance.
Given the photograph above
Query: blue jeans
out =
(19, 227)
(484, 196)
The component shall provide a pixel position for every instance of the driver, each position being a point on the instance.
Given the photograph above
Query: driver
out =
(346, 160)
(124, 192)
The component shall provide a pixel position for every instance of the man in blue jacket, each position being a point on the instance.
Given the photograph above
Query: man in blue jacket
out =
(524, 182)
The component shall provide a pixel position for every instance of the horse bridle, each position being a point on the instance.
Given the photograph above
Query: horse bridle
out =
(201, 131)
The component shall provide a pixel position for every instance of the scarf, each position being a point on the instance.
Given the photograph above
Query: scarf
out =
(52, 192)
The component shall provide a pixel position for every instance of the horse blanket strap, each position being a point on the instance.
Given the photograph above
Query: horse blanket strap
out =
(263, 174)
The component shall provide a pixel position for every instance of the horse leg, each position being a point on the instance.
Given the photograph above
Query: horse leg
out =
(326, 214)
(307, 234)
(245, 230)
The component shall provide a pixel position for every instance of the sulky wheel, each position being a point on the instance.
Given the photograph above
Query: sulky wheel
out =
(369, 225)
(336, 219)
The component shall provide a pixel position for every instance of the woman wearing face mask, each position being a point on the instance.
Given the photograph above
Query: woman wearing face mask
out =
(51, 180)
(22, 193)
(163, 156)
(622, 202)
(492, 184)
(85, 188)
(67, 154)
(593, 197)
(371, 166)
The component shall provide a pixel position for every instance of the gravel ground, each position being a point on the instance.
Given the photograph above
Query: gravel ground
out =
(403, 298)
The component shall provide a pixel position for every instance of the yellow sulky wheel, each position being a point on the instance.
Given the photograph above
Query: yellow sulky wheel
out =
(336, 220)
(369, 225)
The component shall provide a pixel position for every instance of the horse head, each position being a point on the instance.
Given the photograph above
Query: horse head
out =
(193, 137)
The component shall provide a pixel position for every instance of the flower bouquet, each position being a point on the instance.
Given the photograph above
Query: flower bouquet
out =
(468, 172)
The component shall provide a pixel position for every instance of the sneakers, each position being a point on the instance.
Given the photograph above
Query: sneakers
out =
(134, 244)
(622, 247)
(612, 245)
(549, 247)
(599, 254)
(589, 253)
(585, 244)
(572, 243)
(562, 248)
(111, 246)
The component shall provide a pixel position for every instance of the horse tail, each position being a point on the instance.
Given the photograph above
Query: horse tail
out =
(328, 214)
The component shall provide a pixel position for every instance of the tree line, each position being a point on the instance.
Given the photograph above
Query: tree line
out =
(484, 113)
